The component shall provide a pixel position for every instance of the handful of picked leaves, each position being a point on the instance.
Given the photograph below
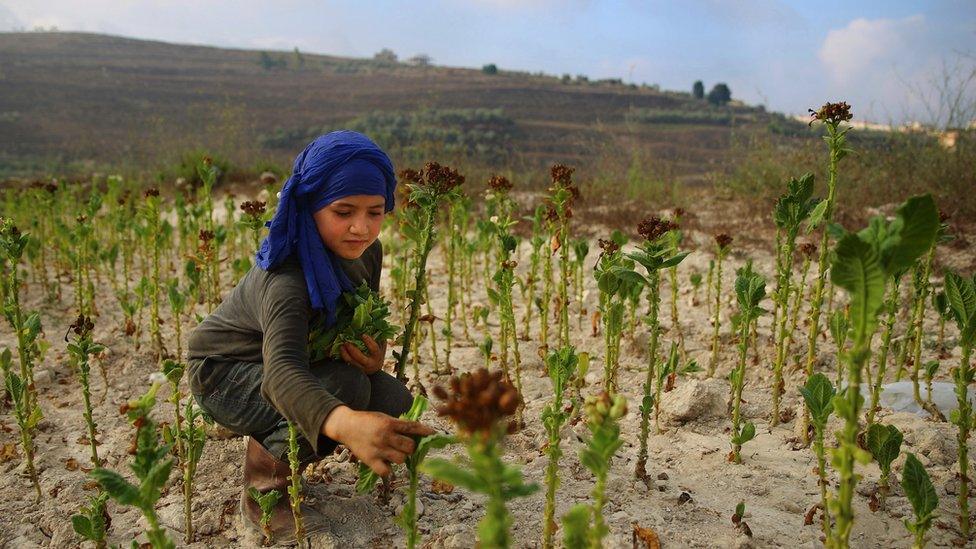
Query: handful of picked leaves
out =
(360, 312)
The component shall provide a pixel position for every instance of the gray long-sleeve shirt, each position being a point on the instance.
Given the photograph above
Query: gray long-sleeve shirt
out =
(265, 319)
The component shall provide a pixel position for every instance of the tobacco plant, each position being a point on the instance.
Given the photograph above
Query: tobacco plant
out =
(561, 366)
(150, 464)
(529, 285)
(500, 295)
(791, 210)
(884, 443)
(722, 246)
(92, 522)
(654, 254)
(961, 295)
(478, 404)
(581, 248)
(614, 275)
(187, 436)
(863, 264)
(150, 215)
(408, 516)
(832, 115)
(923, 287)
(27, 326)
(266, 502)
(818, 395)
(674, 241)
(750, 289)
(603, 413)
(921, 494)
(562, 195)
(81, 349)
(429, 189)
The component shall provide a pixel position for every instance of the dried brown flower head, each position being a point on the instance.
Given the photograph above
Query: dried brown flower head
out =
(499, 184)
(562, 176)
(723, 240)
(51, 188)
(832, 113)
(81, 219)
(82, 326)
(808, 249)
(411, 176)
(608, 246)
(151, 191)
(509, 264)
(206, 236)
(943, 216)
(207, 161)
(253, 208)
(442, 178)
(654, 227)
(477, 401)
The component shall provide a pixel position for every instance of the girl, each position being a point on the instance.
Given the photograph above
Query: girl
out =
(248, 360)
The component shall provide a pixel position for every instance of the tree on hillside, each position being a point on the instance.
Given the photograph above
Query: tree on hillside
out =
(698, 90)
(420, 60)
(299, 58)
(267, 62)
(385, 56)
(490, 68)
(720, 94)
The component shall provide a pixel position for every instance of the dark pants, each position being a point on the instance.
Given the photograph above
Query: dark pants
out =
(235, 402)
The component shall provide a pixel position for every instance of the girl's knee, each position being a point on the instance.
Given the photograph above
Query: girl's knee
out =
(389, 395)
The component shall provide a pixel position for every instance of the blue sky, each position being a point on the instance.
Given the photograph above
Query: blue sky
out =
(789, 55)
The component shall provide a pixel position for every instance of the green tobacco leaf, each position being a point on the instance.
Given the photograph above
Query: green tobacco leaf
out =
(911, 234)
(82, 526)
(367, 479)
(451, 473)
(116, 486)
(576, 526)
(747, 433)
(857, 269)
(817, 216)
(918, 487)
(818, 394)
(674, 260)
(961, 295)
(884, 442)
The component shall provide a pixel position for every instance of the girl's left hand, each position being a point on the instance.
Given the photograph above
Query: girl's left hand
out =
(371, 363)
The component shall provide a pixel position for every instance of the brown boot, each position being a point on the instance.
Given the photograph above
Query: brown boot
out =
(265, 472)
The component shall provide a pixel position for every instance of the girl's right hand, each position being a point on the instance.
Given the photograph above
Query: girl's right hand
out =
(374, 437)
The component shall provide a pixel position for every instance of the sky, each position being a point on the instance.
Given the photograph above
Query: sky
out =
(880, 56)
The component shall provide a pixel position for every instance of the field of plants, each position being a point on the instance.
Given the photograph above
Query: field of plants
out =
(799, 383)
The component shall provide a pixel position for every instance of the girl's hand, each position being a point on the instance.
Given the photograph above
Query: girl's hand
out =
(369, 364)
(374, 437)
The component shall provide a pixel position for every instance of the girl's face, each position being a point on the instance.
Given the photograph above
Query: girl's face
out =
(350, 224)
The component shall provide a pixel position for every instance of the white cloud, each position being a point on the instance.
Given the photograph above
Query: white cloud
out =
(873, 45)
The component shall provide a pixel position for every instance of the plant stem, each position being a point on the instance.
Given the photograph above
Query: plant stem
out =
(891, 305)
(964, 422)
(654, 298)
(834, 142)
(717, 319)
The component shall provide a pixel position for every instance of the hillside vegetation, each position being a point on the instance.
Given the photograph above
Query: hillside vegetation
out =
(75, 97)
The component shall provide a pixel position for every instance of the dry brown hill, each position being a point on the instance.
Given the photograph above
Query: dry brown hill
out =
(74, 97)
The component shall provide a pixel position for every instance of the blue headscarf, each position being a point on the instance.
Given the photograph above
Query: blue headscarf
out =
(338, 164)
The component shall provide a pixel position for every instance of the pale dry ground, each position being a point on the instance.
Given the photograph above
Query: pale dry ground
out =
(689, 504)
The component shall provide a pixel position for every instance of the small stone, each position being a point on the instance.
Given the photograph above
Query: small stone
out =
(662, 476)
(42, 377)
(620, 516)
